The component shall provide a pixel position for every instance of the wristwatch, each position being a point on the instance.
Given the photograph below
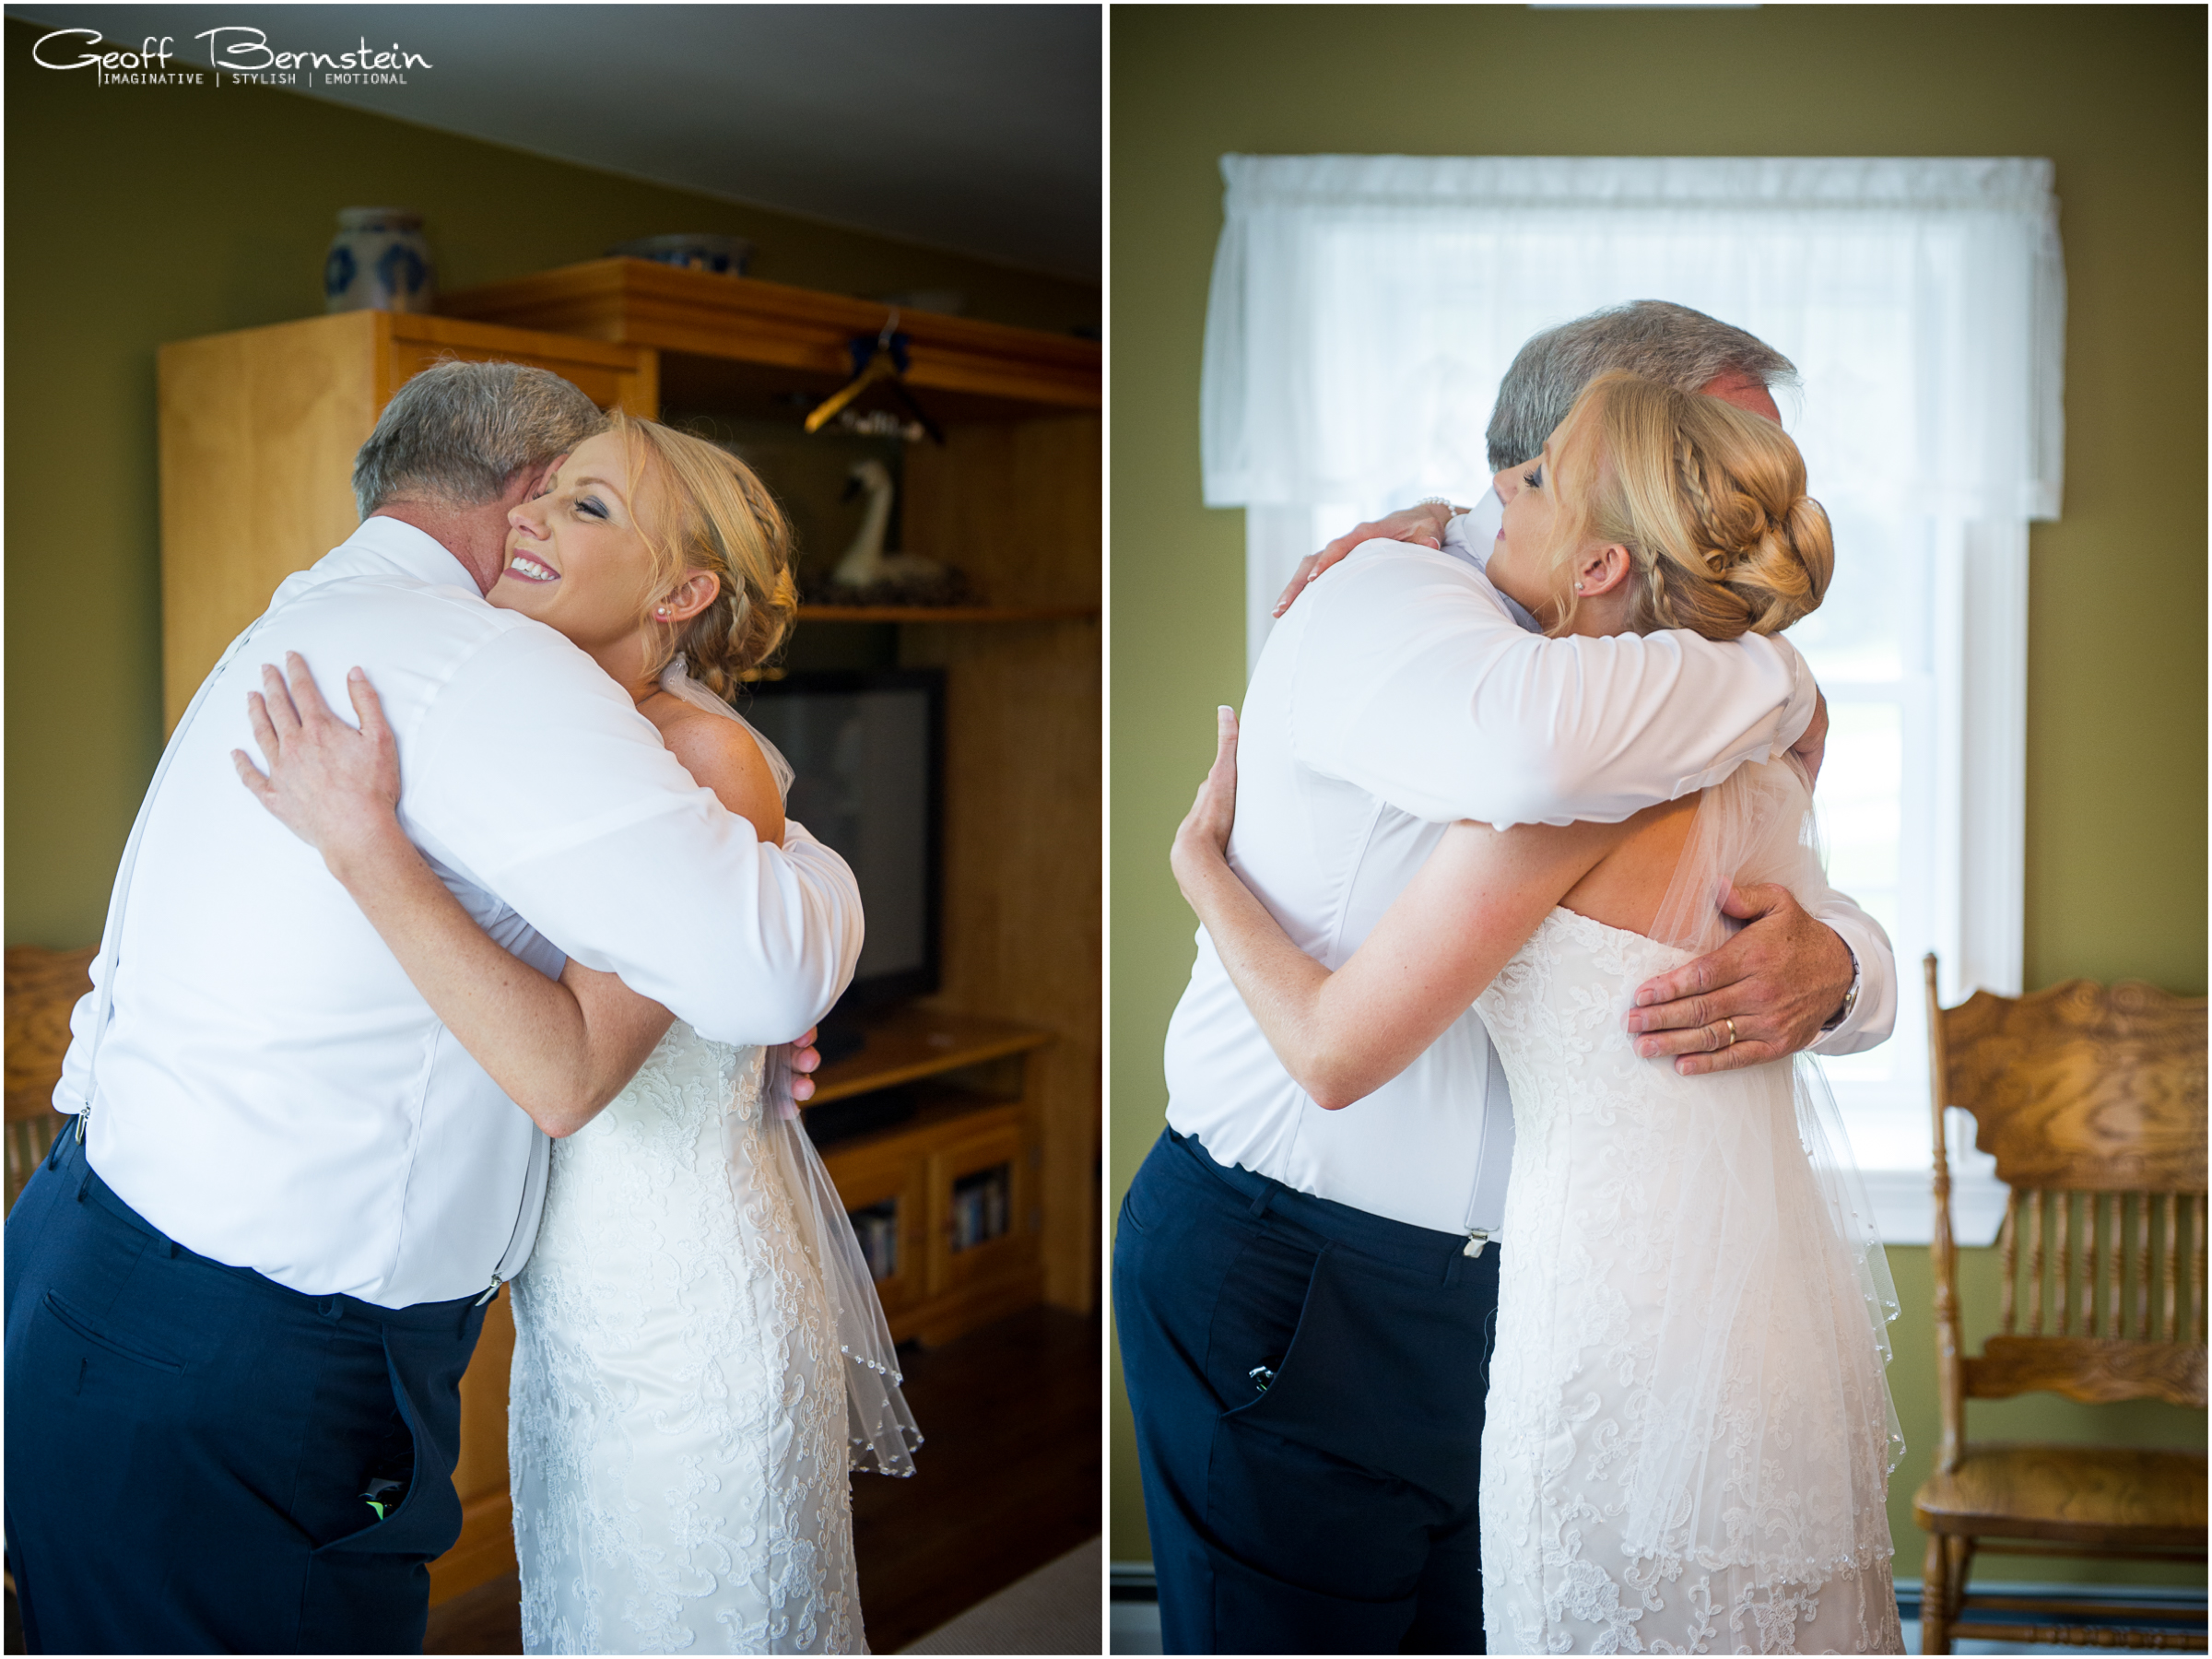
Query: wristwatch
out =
(1851, 998)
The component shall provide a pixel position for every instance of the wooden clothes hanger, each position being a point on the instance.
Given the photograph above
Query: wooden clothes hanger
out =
(882, 359)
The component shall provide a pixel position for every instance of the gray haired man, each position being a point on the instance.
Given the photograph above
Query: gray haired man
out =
(242, 1293)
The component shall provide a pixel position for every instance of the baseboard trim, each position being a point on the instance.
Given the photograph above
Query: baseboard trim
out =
(1131, 1582)
(2158, 1603)
(1134, 1581)
(2182, 1599)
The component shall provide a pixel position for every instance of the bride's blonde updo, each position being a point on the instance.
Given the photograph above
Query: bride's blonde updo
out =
(1708, 499)
(709, 511)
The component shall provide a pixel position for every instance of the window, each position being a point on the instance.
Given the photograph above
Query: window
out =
(1364, 308)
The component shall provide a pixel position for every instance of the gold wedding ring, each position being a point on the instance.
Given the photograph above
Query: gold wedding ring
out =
(1731, 1042)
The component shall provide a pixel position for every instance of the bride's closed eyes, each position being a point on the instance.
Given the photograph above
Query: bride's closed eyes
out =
(579, 497)
(591, 505)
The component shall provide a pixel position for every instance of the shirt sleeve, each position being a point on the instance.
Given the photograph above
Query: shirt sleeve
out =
(1413, 682)
(1793, 858)
(1874, 1016)
(533, 774)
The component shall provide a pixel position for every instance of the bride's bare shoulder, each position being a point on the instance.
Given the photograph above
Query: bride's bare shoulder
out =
(722, 756)
(1625, 888)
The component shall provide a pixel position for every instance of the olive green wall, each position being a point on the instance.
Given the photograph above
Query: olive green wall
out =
(2114, 95)
(137, 215)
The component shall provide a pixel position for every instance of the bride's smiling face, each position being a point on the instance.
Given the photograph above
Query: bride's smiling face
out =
(577, 558)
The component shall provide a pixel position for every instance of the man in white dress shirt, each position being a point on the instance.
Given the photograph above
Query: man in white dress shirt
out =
(242, 1292)
(1304, 1298)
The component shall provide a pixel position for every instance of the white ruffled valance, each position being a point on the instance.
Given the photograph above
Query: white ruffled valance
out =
(1363, 309)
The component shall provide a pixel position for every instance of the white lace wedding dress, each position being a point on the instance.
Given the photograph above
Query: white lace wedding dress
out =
(677, 1423)
(1689, 1433)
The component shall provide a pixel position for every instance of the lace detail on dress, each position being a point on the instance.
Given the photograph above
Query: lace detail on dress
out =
(676, 1419)
(1777, 1541)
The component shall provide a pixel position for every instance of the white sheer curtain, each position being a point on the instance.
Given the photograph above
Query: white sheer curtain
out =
(1363, 309)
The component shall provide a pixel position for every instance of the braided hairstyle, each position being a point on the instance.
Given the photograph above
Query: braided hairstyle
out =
(1708, 499)
(713, 514)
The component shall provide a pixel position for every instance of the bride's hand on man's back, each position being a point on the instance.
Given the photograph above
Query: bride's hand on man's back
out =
(335, 788)
(1202, 839)
(1424, 526)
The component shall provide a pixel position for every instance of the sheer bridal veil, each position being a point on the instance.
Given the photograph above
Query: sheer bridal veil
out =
(879, 1428)
(1773, 1328)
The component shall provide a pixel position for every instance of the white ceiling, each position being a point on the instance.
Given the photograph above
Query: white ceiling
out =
(972, 128)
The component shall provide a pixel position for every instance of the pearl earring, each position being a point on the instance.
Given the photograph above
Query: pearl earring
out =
(662, 613)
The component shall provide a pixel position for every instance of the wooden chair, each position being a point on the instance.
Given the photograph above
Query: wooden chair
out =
(2092, 1101)
(43, 986)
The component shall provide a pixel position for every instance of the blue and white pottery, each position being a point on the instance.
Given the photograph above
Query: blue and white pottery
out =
(379, 261)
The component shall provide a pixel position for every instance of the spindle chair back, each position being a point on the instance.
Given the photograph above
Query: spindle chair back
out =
(2091, 1100)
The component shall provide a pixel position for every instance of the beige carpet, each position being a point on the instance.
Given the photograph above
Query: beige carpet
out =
(1055, 1610)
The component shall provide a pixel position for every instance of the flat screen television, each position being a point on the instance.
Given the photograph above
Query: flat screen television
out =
(867, 747)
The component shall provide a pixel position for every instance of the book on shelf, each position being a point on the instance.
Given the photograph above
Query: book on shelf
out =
(876, 1228)
(982, 1207)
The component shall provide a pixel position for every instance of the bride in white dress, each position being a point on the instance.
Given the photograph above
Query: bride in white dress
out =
(678, 1426)
(1689, 1432)
(699, 1355)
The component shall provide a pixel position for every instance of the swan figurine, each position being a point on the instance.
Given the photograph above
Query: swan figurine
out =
(865, 562)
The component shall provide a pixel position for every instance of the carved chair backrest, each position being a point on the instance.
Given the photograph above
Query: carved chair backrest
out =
(2092, 1101)
(43, 986)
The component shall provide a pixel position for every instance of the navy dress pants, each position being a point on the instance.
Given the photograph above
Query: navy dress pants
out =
(189, 1443)
(1308, 1384)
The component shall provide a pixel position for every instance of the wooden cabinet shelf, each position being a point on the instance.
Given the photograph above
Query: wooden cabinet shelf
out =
(915, 1042)
(726, 325)
(948, 613)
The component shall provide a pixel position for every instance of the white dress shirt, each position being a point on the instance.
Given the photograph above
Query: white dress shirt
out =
(1400, 694)
(269, 1088)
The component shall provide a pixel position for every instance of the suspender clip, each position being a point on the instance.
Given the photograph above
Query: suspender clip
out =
(1476, 1238)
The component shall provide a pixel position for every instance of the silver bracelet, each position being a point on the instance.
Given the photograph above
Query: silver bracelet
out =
(1444, 501)
(1851, 998)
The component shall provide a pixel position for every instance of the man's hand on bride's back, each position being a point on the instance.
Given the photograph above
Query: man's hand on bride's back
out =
(1767, 992)
(1424, 526)
(335, 788)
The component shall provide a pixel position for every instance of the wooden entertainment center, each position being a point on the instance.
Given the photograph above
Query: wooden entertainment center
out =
(984, 1197)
